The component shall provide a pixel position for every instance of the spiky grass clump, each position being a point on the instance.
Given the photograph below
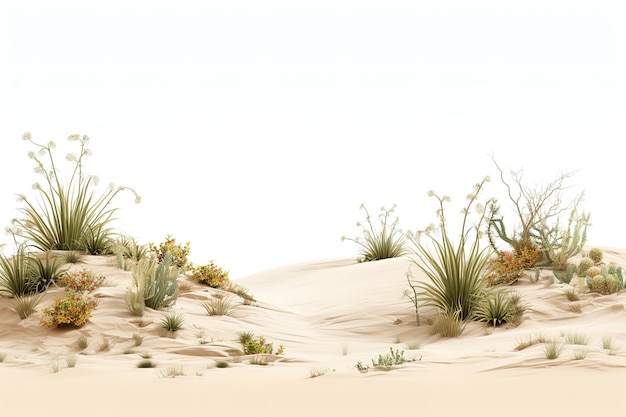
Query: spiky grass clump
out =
(172, 322)
(552, 349)
(530, 341)
(71, 359)
(68, 215)
(146, 363)
(218, 306)
(138, 339)
(16, 277)
(577, 339)
(25, 305)
(172, 372)
(580, 353)
(456, 273)
(105, 345)
(571, 294)
(384, 243)
(221, 364)
(3, 356)
(501, 307)
(82, 342)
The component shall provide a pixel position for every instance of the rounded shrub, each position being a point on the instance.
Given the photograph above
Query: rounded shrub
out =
(210, 274)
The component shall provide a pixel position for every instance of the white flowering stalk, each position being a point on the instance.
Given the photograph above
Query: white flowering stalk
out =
(66, 215)
(456, 273)
(386, 242)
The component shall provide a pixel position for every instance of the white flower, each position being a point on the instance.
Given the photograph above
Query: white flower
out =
(31, 154)
(487, 178)
(445, 199)
(73, 137)
(431, 193)
(36, 186)
(52, 145)
(71, 157)
(137, 199)
(85, 138)
(96, 179)
(88, 152)
(27, 136)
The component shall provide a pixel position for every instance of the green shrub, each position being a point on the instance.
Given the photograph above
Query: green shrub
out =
(254, 346)
(179, 253)
(46, 271)
(386, 242)
(67, 216)
(210, 274)
(456, 273)
(72, 310)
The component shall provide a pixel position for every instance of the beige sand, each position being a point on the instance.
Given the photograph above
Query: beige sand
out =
(329, 315)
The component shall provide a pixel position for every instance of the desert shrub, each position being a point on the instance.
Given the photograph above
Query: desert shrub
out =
(389, 359)
(456, 273)
(596, 255)
(81, 281)
(72, 310)
(552, 349)
(508, 266)
(155, 285)
(583, 266)
(535, 207)
(210, 274)
(178, 252)
(386, 242)
(67, 216)
(254, 346)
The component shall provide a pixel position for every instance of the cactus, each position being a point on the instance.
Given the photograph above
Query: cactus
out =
(612, 286)
(593, 271)
(565, 276)
(596, 255)
(599, 285)
(583, 265)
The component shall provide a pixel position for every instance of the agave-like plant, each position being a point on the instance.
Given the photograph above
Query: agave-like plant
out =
(456, 272)
(66, 216)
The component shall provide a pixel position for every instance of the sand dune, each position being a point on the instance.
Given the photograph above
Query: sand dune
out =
(329, 315)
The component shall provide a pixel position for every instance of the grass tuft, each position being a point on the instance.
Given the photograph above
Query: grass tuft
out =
(552, 349)
(448, 325)
(25, 305)
(218, 306)
(577, 339)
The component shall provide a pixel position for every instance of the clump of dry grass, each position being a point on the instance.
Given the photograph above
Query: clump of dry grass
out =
(575, 308)
(529, 341)
(571, 294)
(218, 306)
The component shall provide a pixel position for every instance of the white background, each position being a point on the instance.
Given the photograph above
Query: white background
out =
(255, 129)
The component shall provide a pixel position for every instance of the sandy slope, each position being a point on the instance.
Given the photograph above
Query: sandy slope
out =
(329, 315)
